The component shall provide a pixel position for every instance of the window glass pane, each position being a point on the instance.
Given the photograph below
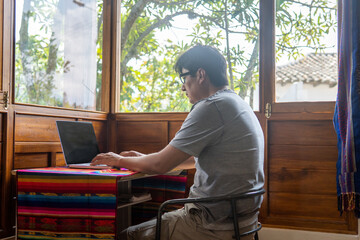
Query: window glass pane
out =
(58, 53)
(306, 51)
(156, 33)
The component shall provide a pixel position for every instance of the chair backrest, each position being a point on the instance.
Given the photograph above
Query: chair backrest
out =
(235, 216)
(232, 199)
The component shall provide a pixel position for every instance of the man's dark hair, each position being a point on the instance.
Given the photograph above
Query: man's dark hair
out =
(207, 58)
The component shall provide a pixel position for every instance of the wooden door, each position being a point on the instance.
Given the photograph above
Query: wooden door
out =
(301, 153)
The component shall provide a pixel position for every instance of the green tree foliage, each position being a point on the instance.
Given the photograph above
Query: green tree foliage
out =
(302, 24)
(148, 82)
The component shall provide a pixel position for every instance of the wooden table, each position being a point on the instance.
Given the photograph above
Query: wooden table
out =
(64, 203)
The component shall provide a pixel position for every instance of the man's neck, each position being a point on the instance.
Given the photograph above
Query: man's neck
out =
(213, 90)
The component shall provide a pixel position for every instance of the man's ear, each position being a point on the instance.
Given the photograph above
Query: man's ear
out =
(202, 75)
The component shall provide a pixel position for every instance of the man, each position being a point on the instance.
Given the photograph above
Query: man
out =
(222, 137)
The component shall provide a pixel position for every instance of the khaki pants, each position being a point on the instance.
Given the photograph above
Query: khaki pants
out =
(180, 225)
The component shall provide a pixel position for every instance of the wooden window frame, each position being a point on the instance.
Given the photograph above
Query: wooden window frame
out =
(268, 67)
(8, 80)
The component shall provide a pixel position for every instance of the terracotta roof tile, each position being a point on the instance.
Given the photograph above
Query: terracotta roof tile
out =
(320, 68)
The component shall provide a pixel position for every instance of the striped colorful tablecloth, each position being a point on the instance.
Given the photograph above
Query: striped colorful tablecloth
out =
(64, 203)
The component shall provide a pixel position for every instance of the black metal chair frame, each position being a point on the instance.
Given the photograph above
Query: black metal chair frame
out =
(230, 198)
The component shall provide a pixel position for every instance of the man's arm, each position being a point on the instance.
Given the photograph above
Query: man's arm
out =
(187, 164)
(155, 163)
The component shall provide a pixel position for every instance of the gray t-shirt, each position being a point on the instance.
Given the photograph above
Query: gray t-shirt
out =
(225, 137)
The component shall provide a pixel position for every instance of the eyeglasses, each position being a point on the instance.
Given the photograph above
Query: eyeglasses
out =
(183, 77)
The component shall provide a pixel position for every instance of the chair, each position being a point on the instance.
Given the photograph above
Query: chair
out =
(232, 199)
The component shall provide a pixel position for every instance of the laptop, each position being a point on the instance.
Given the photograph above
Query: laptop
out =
(79, 144)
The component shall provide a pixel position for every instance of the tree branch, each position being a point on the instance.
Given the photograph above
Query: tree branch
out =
(214, 21)
(228, 48)
(299, 46)
(172, 3)
(309, 5)
(135, 12)
(249, 71)
(132, 51)
(100, 20)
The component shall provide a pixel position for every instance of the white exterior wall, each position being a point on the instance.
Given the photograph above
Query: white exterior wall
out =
(305, 92)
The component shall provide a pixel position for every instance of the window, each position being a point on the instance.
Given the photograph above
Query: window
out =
(306, 51)
(58, 53)
(162, 30)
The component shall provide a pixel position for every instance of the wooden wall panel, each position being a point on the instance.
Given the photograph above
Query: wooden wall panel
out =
(60, 160)
(35, 147)
(145, 132)
(146, 137)
(100, 128)
(303, 181)
(301, 173)
(140, 147)
(318, 133)
(306, 206)
(339, 225)
(31, 160)
(303, 157)
(1, 152)
(30, 128)
(1, 128)
(173, 128)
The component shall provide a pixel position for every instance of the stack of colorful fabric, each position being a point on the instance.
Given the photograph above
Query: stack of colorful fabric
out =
(64, 203)
(162, 188)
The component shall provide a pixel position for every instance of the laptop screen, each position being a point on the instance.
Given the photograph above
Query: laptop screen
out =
(78, 141)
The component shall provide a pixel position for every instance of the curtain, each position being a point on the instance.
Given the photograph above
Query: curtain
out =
(347, 109)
